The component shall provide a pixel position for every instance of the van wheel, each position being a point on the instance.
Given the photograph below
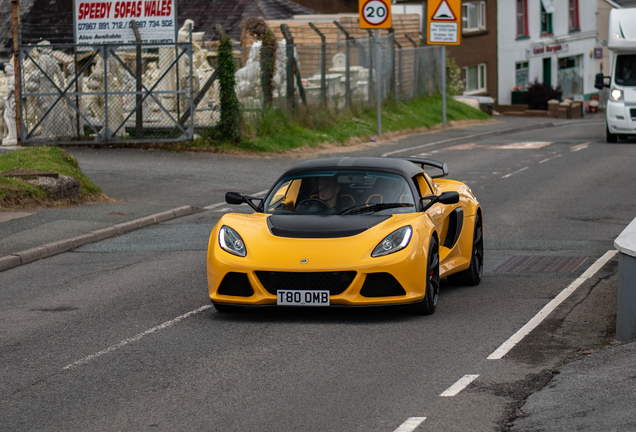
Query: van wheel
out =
(611, 138)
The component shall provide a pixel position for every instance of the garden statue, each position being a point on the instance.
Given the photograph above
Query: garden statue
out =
(9, 107)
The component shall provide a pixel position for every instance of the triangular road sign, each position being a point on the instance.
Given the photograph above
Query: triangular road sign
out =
(444, 12)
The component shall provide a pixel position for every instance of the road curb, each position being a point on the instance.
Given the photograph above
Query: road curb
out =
(464, 139)
(47, 250)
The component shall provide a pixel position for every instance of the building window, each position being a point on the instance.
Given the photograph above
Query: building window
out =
(475, 79)
(573, 13)
(546, 19)
(474, 16)
(522, 18)
(521, 75)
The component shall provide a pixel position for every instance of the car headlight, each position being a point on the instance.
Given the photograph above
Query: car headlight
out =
(616, 94)
(394, 242)
(231, 242)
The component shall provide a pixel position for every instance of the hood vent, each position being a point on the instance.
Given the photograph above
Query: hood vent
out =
(310, 226)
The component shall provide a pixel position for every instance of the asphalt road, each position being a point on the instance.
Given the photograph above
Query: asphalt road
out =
(119, 335)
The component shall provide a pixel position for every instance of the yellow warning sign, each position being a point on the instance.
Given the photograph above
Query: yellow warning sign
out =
(443, 22)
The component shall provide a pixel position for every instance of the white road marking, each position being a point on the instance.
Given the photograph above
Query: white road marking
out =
(410, 424)
(580, 146)
(138, 337)
(224, 209)
(459, 385)
(213, 206)
(515, 172)
(510, 146)
(547, 309)
(549, 159)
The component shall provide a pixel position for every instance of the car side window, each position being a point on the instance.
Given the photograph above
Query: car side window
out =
(423, 185)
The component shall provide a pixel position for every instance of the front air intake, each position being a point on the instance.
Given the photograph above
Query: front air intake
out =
(381, 285)
(236, 284)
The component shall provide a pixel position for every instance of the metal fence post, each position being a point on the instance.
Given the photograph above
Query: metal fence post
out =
(398, 79)
(139, 116)
(291, 102)
(415, 64)
(323, 65)
(391, 47)
(348, 39)
(105, 129)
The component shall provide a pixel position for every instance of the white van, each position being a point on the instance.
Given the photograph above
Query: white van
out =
(621, 106)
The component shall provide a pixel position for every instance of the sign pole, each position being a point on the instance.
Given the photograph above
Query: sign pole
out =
(375, 14)
(378, 100)
(444, 86)
(443, 28)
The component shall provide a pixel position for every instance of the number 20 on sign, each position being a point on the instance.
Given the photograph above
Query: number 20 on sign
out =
(375, 14)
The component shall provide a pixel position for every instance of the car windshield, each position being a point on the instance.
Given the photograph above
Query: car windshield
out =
(626, 70)
(341, 192)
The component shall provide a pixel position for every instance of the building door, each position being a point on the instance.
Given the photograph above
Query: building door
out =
(547, 71)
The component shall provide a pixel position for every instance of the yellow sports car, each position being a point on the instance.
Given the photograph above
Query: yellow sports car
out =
(365, 231)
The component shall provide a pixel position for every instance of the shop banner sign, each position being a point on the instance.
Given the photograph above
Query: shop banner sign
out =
(109, 22)
(546, 50)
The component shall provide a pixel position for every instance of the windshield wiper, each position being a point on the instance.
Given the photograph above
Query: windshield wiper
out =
(372, 208)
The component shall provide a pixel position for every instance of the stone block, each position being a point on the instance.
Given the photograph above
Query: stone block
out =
(9, 261)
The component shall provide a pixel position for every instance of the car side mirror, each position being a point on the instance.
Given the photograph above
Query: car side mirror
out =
(238, 198)
(599, 81)
(234, 198)
(449, 198)
(444, 198)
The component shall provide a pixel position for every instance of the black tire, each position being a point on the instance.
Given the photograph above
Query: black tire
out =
(610, 137)
(472, 275)
(429, 304)
(223, 308)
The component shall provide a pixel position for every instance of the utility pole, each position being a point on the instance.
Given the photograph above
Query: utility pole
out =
(15, 10)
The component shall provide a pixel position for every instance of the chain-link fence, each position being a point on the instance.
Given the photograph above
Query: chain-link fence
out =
(114, 93)
(339, 74)
(138, 93)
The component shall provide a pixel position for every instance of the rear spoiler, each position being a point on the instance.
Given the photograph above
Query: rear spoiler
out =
(428, 162)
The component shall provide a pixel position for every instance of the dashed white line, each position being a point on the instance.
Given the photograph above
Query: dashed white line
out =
(549, 159)
(138, 337)
(410, 424)
(547, 309)
(580, 147)
(459, 385)
(514, 172)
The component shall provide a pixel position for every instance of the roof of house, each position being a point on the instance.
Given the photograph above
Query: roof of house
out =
(52, 19)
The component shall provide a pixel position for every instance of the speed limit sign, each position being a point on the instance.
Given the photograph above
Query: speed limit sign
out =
(375, 14)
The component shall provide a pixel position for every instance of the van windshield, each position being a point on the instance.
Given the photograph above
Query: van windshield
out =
(626, 70)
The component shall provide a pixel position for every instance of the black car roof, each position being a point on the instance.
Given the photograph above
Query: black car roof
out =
(402, 166)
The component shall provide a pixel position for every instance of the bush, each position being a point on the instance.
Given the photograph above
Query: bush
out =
(538, 95)
(454, 78)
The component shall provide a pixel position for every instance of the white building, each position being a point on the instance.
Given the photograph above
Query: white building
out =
(550, 41)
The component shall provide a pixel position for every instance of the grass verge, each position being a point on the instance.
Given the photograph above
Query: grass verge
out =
(277, 130)
(18, 193)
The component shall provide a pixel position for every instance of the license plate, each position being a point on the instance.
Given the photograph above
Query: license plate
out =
(302, 298)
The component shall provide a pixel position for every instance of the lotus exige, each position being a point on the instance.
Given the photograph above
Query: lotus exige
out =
(348, 232)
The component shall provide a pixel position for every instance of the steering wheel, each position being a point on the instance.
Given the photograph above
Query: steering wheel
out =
(322, 203)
